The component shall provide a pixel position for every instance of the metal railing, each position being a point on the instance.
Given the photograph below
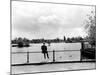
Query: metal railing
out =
(61, 54)
(26, 57)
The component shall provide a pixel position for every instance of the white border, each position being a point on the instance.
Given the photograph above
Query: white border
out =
(5, 38)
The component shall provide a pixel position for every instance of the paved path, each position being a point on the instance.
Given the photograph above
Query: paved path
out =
(52, 67)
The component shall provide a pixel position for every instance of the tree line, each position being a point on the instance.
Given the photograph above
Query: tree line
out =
(56, 40)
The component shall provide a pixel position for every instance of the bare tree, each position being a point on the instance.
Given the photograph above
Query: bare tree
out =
(90, 28)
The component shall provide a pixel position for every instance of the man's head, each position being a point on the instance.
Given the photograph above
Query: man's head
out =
(43, 43)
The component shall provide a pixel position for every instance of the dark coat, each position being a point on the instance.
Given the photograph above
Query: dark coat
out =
(44, 49)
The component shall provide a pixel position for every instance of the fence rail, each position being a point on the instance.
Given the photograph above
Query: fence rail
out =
(41, 51)
(55, 55)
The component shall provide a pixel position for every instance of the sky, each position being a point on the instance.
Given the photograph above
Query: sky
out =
(49, 21)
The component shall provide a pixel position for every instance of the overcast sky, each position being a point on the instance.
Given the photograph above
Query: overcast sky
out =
(48, 21)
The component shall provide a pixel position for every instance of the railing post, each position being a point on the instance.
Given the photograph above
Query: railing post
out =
(81, 51)
(80, 54)
(28, 57)
(53, 55)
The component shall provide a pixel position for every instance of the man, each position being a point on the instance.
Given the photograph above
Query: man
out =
(44, 51)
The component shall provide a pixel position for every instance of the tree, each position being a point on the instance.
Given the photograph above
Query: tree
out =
(68, 39)
(91, 28)
(64, 38)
